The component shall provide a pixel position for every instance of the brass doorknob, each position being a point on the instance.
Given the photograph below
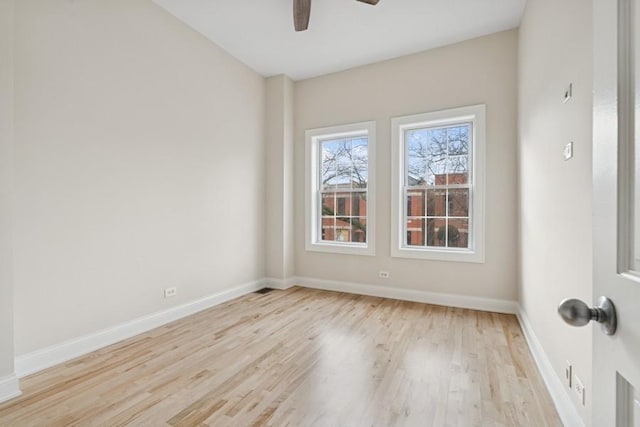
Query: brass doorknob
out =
(577, 313)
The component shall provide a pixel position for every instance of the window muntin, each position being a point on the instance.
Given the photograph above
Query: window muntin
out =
(438, 185)
(339, 189)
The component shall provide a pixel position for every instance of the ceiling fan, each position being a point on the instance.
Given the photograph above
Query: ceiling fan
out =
(302, 10)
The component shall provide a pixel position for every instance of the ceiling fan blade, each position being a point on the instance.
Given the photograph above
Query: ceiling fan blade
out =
(373, 2)
(301, 12)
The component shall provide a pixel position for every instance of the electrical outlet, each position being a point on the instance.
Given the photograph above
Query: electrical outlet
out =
(170, 292)
(384, 274)
(579, 389)
(568, 374)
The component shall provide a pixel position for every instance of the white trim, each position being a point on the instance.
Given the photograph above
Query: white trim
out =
(475, 114)
(281, 284)
(9, 388)
(449, 300)
(566, 409)
(58, 353)
(312, 138)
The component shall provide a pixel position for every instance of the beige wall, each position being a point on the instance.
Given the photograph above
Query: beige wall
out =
(139, 166)
(555, 195)
(473, 72)
(6, 166)
(279, 249)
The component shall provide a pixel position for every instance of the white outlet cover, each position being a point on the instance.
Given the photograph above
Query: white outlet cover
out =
(568, 93)
(579, 389)
(567, 153)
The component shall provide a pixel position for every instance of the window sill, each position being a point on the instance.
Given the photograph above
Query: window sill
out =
(450, 255)
(337, 248)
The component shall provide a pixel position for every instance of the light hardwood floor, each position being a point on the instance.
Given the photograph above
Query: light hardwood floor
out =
(301, 357)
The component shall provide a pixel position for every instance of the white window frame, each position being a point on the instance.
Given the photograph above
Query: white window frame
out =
(313, 218)
(476, 115)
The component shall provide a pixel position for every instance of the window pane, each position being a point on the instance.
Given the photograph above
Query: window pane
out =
(415, 203)
(437, 202)
(328, 204)
(458, 233)
(459, 202)
(343, 229)
(359, 230)
(342, 203)
(458, 170)
(359, 204)
(344, 163)
(458, 154)
(415, 231)
(416, 146)
(436, 232)
(437, 156)
(426, 156)
(359, 161)
(328, 228)
(330, 153)
(458, 139)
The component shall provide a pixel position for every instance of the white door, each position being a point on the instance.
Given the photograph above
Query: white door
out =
(616, 178)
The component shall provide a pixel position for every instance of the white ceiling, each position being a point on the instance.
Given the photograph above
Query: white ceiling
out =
(342, 33)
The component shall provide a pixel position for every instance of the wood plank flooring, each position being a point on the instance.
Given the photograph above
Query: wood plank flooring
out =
(300, 357)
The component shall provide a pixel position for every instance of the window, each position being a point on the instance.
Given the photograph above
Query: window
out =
(438, 185)
(339, 189)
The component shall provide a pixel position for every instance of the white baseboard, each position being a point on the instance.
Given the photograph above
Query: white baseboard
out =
(44, 358)
(449, 300)
(9, 388)
(566, 409)
(281, 284)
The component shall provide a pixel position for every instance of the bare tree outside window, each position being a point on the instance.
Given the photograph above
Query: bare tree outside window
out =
(345, 163)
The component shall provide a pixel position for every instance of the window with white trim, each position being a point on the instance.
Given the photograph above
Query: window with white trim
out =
(340, 172)
(438, 185)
